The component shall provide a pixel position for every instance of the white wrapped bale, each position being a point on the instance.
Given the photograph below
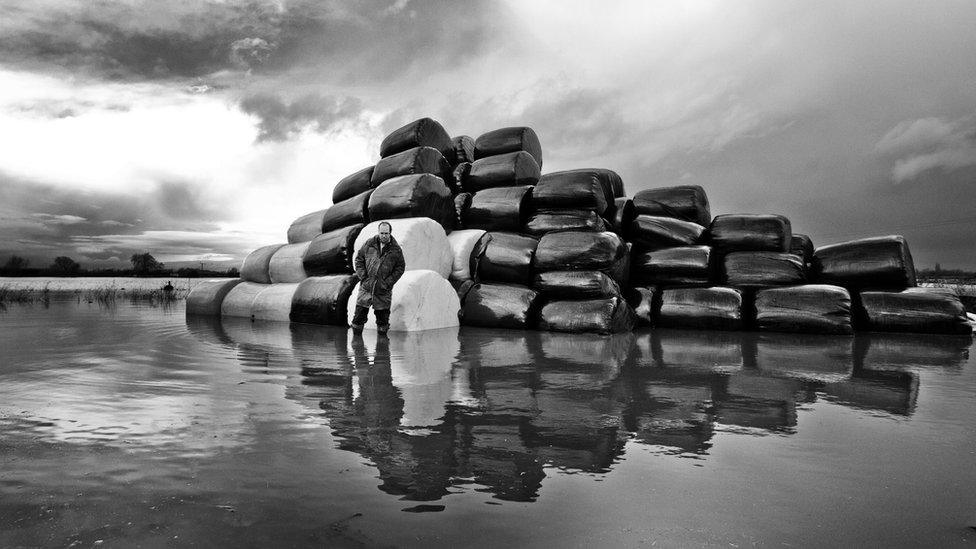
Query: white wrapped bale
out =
(274, 302)
(206, 297)
(467, 246)
(286, 264)
(255, 267)
(238, 301)
(422, 300)
(306, 227)
(422, 239)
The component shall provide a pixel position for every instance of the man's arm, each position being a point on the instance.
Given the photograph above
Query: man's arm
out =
(360, 264)
(398, 268)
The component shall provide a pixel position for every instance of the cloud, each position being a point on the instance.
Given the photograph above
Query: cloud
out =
(277, 120)
(932, 143)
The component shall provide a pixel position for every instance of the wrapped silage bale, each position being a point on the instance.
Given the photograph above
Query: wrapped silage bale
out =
(499, 208)
(274, 302)
(680, 266)
(416, 161)
(462, 287)
(306, 227)
(500, 306)
(603, 316)
(238, 301)
(207, 297)
(332, 252)
(917, 310)
(422, 195)
(684, 202)
(801, 245)
(348, 212)
(421, 300)
(462, 150)
(424, 132)
(286, 264)
(353, 184)
(503, 170)
(460, 174)
(750, 233)
(649, 232)
(462, 201)
(576, 285)
(882, 262)
(323, 300)
(467, 247)
(256, 264)
(714, 308)
(641, 300)
(811, 308)
(508, 140)
(583, 251)
(621, 215)
(573, 189)
(550, 221)
(757, 269)
(423, 241)
(508, 258)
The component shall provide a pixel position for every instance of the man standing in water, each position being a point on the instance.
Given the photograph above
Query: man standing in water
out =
(379, 264)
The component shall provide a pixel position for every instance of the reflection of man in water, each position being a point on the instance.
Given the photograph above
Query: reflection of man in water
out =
(379, 264)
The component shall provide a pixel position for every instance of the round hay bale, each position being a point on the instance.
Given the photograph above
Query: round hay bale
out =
(286, 264)
(503, 170)
(579, 251)
(424, 132)
(421, 195)
(467, 247)
(679, 266)
(574, 189)
(878, 263)
(576, 285)
(500, 306)
(499, 208)
(353, 184)
(323, 300)
(603, 316)
(422, 300)
(508, 140)
(412, 162)
(810, 308)
(423, 241)
(306, 227)
(508, 259)
(684, 202)
(713, 308)
(207, 297)
(750, 233)
(552, 221)
(237, 302)
(756, 269)
(350, 211)
(332, 252)
(274, 302)
(256, 264)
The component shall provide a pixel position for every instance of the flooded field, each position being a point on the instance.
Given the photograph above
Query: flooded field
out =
(130, 425)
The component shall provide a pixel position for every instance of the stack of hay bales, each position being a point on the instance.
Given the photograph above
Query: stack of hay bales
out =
(490, 238)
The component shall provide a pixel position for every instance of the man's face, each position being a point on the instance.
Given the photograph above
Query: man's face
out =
(385, 234)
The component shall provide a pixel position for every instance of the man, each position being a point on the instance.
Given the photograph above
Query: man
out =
(379, 264)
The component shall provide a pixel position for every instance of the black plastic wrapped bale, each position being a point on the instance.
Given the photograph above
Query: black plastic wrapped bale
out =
(684, 202)
(759, 269)
(582, 251)
(879, 263)
(750, 233)
(421, 195)
(714, 308)
(551, 221)
(413, 162)
(802, 246)
(462, 150)
(207, 297)
(351, 211)
(576, 285)
(460, 174)
(462, 287)
(332, 252)
(508, 258)
(508, 140)
(574, 189)
(257, 264)
(353, 184)
(462, 201)
(323, 300)
(503, 170)
(499, 209)
(602, 316)
(917, 310)
(500, 306)
(621, 215)
(811, 308)
(306, 227)
(424, 132)
(681, 266)
(650, 232)
(641, 299)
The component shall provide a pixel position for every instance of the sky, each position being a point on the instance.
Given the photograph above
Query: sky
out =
(199, 130)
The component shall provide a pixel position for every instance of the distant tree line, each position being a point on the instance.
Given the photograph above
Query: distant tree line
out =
(143, 264)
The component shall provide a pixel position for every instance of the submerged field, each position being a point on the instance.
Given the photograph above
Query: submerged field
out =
(29, 289)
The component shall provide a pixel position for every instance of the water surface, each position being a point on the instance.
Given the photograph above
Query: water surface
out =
(131, 425)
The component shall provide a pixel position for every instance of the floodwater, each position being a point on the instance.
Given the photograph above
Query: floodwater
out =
(132, 426)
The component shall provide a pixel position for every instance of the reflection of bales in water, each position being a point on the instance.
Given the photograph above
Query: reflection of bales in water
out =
(435, 409)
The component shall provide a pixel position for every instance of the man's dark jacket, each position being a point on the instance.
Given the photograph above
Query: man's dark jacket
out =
(378, 272)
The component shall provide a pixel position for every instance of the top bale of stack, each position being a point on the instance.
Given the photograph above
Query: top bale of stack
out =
(508, 140)
(425, 132)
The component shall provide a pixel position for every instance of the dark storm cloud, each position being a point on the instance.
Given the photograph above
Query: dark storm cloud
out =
(279, 120)
(145, 39)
